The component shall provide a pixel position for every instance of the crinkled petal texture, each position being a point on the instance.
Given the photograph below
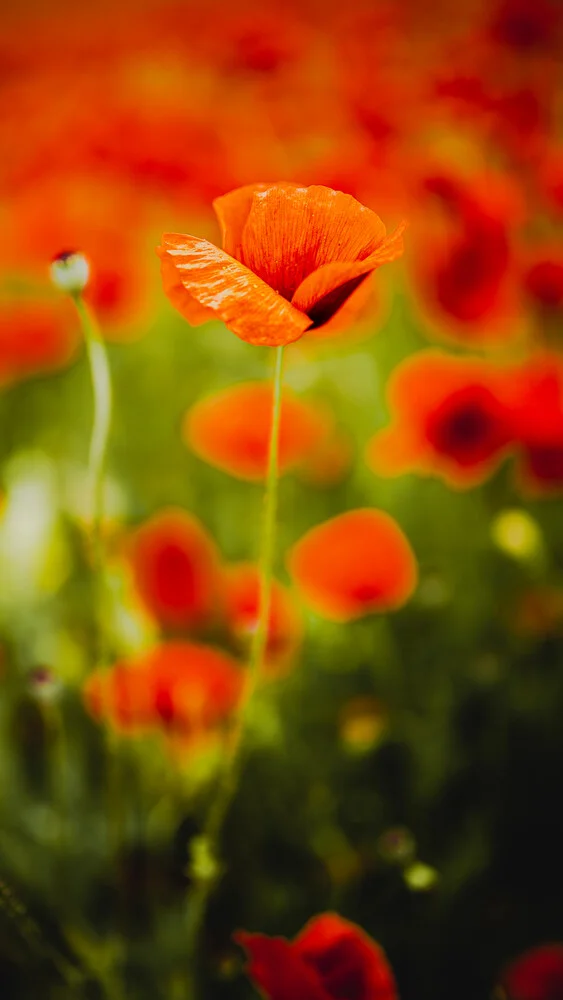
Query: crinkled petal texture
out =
(292, 259)
(535, 975)
(176, 569)
(230, 429)
(354, 564)
(331, 959)
(290, 232)
(229, 291)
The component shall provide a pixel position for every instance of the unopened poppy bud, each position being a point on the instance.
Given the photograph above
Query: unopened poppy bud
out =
(70, 271)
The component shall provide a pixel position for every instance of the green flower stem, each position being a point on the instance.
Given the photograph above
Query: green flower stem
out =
(101, 386)
(205, 868)
(102, 398)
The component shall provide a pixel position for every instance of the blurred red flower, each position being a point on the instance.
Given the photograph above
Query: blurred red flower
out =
(185, 688)
(241, 613)
(451, 417)
(71, 213)
(354, 564)
(526, 26)
(291, 259)
(230, 429)
(463, 257)
(331, 959)
(36, 336)
(543, 279)
(176, 569)
(538, 423)
(535, 975)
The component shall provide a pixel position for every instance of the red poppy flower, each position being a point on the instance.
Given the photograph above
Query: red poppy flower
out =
(464, 258)
(543, 280)
(331, 959)
(183, 687)
(291, 259)
(354, 564)
(451, 418)
(538, 424)
(35, 336)
(176, 569)
(536, 975)
(230, 429)
(526, 25)
(241, 612)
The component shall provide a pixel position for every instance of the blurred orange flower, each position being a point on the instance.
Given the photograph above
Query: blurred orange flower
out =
(291, 259)
(451, 417)
(35, 336)
(183, 687)
(242, 584)
(176, 569)
(230, 429)
(354, 564)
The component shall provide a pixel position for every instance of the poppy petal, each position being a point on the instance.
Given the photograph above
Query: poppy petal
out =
(327, 289)
(279, 972)
(232, 211)
(230, 429)
(247, 306)
(175, 567)
(291, 232)
(350, 964)
(180, 298)
(354, 564)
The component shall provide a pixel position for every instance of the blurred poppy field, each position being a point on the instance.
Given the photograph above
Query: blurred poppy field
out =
(374, 191)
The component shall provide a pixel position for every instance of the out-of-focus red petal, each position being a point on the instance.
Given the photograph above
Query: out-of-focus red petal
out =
(291, 232)
(176, 568)
(231, 429)
(184, 686)
(535, 975)
(35, 336)
(451, 417)
(349, 963)
(241, 612)
(354, 564)
(538, 423)
(248, 307)
(277, 969)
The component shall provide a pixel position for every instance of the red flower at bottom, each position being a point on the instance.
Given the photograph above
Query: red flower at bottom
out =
(331, 959)
(536, 975)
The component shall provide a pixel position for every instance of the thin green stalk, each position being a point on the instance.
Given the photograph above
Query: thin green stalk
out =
(205, 850)
(102, 398)
(101, 387)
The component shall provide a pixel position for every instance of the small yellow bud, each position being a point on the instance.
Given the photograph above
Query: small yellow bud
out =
(420, 877)
(70, 272)
(517, 534)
